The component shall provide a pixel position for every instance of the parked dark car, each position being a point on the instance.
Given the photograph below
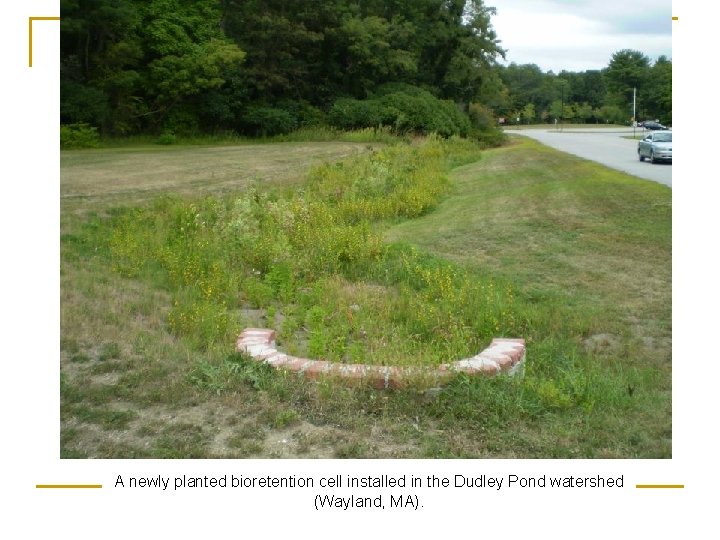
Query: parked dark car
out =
(652, 125)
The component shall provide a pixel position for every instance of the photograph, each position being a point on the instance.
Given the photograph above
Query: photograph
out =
(364, 229)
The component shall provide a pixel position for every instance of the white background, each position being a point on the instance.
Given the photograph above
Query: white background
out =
(29, 390)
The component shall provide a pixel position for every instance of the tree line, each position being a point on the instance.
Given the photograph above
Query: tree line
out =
(593, 96)
(262, 67)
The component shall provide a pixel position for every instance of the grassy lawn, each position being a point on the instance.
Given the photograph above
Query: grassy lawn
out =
(557, 224)
(93, 179)
(524, 241)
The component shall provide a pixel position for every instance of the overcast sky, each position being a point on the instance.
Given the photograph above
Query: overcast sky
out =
(577, 35)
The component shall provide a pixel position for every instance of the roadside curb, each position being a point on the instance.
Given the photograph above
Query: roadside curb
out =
(503, 355)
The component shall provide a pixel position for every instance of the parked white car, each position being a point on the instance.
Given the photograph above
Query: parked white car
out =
(656, 146)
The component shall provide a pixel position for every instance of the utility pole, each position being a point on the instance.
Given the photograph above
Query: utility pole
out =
(562, 104)
(634, 117)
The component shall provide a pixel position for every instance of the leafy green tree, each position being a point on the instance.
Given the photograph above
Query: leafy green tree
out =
(528, 113)
(495, 94)
(528, 84)
(525, 85)
(658, 95)
(476, 50)
(564, 112)
(284, 41)
(481, 117)
(127, 64)
(100, 52)
(195, 69)
(628, 69)
(584, 112)
(593, 89)
(264, 66)
(370, 54)
(611, 114)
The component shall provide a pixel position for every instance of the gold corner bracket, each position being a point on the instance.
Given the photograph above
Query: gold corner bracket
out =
(30, 30)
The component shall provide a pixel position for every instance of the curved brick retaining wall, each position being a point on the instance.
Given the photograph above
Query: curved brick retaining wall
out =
(504, 355)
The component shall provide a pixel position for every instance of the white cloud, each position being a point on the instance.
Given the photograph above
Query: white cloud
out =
(581, 35)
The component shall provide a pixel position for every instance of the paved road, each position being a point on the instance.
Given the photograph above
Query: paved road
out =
(604, 145)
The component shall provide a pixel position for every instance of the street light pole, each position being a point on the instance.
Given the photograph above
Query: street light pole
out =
(634, 117)
(562, 104)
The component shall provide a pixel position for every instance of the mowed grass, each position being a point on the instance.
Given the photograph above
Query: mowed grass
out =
(562, 227)
(598, 378)
(98, 178)
(556, 224)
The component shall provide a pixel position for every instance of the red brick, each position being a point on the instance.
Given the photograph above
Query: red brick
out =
(513, 349)
(503, 353)
(377, 376)
(351, 372)
(316, 368)
(279, 360)
(395, 377)
(504, 360)
(265, 355)
(295, 364)
(267, 335)
(501, 358)
(520, 341)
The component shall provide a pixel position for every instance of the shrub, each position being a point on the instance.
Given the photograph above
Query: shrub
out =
(268, 121)
(404, 108)
(78, 136)
(305, 114)
(82, 104)
(399, 87)
(167, 137)
(216, 111)
(491, 137)
(611, 114)
(182, 120)
(355, 114)
(481, 117)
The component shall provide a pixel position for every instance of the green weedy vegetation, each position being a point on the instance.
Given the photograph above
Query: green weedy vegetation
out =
(417, 253)
(79, 136)
(316, 262)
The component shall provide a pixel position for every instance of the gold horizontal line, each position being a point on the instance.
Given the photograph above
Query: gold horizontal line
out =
(68, 486)
(675, 18)
(660, 486)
